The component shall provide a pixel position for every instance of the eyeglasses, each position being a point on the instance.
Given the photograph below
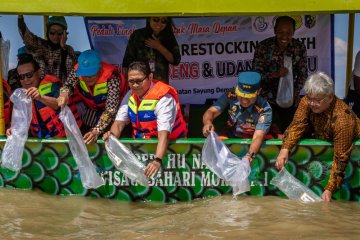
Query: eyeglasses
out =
(58, 33)
(137, 81)
(26, 75)
(161, 20)
(315, 101)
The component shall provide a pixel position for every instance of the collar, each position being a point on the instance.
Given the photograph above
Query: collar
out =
(329, 111)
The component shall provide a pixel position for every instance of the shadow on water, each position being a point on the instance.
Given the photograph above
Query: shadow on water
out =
(35, 215)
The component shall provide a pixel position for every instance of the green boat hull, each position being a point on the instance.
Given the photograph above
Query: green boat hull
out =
(48, 165)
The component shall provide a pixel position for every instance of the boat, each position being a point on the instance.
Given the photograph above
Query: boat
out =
(48, 165)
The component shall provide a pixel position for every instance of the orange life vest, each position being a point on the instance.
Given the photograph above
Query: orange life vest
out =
(142, 113)
(45, 121)
(96, 99)
(7, 103)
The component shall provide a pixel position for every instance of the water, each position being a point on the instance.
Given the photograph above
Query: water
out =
(37, 215)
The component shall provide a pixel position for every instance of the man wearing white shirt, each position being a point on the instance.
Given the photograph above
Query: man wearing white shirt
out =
(153, 109)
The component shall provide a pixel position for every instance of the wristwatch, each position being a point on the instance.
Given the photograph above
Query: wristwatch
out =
(159, 160)
(251, 154)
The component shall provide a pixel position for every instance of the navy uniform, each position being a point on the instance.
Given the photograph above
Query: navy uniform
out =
(244, 121)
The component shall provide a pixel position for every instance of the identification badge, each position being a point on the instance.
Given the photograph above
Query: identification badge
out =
(152, 65)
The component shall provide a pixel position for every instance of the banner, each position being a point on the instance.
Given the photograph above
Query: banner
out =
(214, 49)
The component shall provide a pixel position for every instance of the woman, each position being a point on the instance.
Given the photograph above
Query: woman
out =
(155, 44)
(53, 55)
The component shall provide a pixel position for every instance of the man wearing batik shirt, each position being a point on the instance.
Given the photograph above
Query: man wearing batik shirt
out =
(269, 61)
(320, 112)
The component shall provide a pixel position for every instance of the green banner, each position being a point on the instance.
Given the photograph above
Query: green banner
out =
(49, 166)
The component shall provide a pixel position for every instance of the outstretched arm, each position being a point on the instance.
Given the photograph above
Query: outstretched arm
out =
(208, 118)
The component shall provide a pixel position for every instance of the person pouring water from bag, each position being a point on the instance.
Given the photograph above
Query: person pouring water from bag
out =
(324, 116)
(250, 115)
(153, 109)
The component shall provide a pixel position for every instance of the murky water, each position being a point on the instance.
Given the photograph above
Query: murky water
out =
(37, 215)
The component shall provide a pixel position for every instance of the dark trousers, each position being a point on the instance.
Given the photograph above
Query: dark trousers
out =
(353, 99)
(282, 117)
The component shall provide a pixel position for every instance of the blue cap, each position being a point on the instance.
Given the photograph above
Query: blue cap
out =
(22, 51)
(89, 63)
(248, 84)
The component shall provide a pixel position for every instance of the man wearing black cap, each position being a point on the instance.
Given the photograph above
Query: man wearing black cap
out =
(249, 114)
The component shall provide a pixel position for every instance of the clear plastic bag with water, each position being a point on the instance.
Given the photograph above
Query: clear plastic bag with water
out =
(285, 92)
(125, 161)
(226, 165)
(293, 188)
(89, 177)
(20, 123)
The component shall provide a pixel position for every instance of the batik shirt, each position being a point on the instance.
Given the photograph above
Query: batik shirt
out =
(268, 58)
(337, 124)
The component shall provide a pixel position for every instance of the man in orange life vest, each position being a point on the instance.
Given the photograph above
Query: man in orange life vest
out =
(98, 88)
(153, 109)
(45, 121)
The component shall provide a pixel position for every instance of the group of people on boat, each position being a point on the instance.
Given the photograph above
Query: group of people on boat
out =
(54, 76)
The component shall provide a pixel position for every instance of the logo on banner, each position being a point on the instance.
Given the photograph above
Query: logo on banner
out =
(310, 21)
(260, 24)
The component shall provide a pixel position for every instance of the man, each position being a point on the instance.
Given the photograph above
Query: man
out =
(98, 88)
(45, 121)
(153, 109)
(328, 118)
(249, 114)
(269, 61)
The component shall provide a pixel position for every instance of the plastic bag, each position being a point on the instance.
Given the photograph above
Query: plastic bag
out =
(89, 177)
(293, 188)
(20, 123)
(226, 165)
(285, 92)
(125, 161)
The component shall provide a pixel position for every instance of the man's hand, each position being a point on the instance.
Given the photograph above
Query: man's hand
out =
(33, 92)
(152, 168)
(283, 71)
(91, 137)
(8, 132)
(326, 196)
(207, 129)
(282, 158)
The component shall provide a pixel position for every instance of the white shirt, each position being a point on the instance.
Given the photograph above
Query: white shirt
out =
(356, 70)
(165, 111)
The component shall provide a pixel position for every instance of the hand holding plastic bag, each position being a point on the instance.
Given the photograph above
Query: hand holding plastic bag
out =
(226, 165)
(125, 161)
(285, 92)
(89, 177)
(293, 188)
(20, 123)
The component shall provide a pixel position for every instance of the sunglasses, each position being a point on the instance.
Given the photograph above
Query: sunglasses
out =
(138, 81)
(26, 75)
(161, 20)
(58, 33)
